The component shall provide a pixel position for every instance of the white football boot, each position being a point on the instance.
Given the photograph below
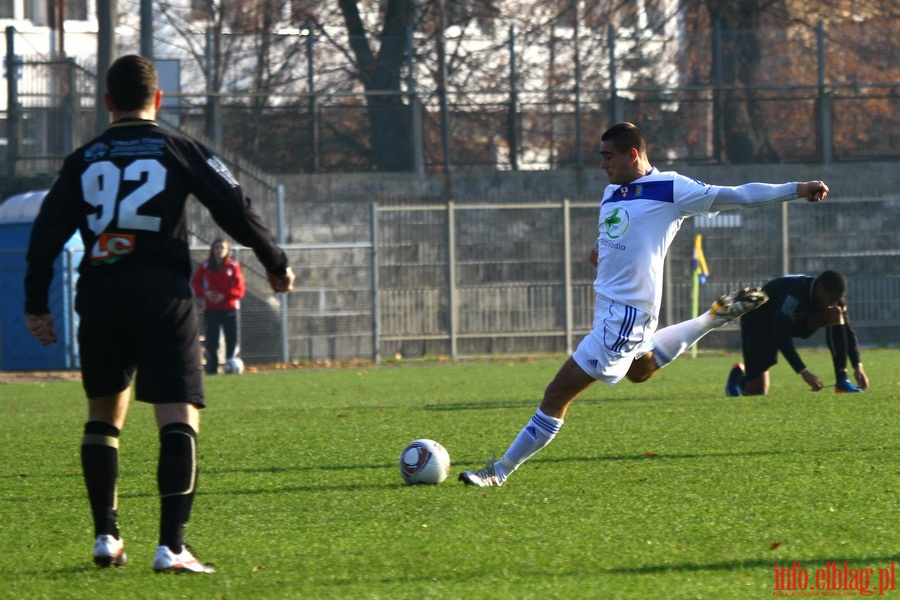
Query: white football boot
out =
(731, 306)
(109, 551)
(482, 477)
(167, 561)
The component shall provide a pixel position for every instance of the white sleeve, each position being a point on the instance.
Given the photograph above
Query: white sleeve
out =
(753, 194)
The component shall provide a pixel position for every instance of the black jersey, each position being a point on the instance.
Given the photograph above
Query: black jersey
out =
(125, 191)
(786, 316)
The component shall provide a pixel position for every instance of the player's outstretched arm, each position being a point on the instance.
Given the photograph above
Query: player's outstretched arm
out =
(281, 283)
(812, 191)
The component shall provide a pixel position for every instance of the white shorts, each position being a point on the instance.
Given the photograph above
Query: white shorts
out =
(621, 333)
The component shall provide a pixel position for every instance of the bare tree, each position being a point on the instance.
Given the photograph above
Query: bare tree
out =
(379, 71)
(535, 81)
(239, 46)
(757, 123)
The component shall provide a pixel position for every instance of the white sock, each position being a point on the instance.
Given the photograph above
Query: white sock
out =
(670, 342)
(539, 432)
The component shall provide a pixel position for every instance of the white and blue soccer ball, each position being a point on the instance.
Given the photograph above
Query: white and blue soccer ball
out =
(233, 366)
(424, 461)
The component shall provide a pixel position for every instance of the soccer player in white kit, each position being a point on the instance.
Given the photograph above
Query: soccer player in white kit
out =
(641, 211)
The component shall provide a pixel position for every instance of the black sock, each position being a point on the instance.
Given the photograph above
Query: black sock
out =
(100, 465)
(176, 478)
(836, 338)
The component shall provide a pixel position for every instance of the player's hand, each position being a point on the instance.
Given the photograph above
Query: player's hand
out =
(593, 257)
(862, 380)
(811, 380)
(42, 328)
(281, 283)
(813, 191)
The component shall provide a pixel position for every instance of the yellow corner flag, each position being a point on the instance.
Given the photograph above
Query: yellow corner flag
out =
(701, 272)
(700, 275)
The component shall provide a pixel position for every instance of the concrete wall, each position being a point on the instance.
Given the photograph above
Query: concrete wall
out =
(877, 179)
(874, 179)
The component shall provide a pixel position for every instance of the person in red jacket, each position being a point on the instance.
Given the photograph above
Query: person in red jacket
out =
(220, 283)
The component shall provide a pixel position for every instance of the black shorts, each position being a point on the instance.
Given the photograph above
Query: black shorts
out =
(144, 324)
(759, 349)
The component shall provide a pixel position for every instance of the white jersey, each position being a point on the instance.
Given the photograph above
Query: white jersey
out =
(638, 222)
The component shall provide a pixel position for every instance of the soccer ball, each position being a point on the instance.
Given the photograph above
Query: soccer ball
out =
(424, 461)
(233, 366)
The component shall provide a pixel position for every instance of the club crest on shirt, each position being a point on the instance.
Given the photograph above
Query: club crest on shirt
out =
(635, 191)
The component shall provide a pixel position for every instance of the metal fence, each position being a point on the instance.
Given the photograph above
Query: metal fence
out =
(517, 110)
(480, 278)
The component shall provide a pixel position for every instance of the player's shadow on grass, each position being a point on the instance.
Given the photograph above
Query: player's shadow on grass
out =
(82, 568)
(390, 482)
(537, 459)
(299, 469)
(696, 455)
(733, 565)
(315, 488)
(481, 405)
(574, 572)
(529, 403)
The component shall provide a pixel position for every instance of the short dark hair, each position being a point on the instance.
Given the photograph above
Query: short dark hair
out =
(132, 83)
(833, 282)
(625, 136)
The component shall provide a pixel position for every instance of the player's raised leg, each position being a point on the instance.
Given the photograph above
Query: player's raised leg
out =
(670, 342)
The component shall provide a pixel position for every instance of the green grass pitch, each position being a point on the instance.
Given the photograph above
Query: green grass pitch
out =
(661, 490)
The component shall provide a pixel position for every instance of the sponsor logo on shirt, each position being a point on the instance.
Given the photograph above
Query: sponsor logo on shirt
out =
(146, 146)
(222, 170)
(612, 245)
(616, 224)
(789, 306)
(96, 152)
(110, 247)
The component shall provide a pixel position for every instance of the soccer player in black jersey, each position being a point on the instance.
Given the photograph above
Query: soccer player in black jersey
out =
(125, 191)
(798, 306)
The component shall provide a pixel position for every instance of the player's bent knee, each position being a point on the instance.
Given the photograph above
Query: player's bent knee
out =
(638, 377)
(758, 386)
(642, 369)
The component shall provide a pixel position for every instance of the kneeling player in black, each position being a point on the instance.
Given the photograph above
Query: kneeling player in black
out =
(125, 191)
(798, 306)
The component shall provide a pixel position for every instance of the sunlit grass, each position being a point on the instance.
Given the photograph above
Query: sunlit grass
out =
(661, 490)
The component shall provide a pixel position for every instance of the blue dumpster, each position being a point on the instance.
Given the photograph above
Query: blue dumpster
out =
(19, 351)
